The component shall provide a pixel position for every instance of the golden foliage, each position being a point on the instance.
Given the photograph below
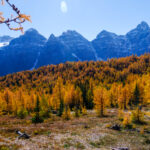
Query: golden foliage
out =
(99, 100)
(127, 121)
(98, 85)
(23, 16)
(84, 111)
(67, 113)
(137, 116)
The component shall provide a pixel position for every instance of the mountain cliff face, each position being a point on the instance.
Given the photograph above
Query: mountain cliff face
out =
(70, 46)
(32, 50)
(53, 52)
(79, 47)
(21, 53)
(110, 45)
(139, 39)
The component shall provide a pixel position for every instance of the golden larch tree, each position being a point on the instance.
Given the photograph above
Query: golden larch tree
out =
(99, 100)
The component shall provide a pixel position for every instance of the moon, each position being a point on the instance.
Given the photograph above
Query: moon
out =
(64, 7)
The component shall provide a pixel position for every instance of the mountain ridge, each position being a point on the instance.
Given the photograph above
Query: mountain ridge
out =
(33, 50)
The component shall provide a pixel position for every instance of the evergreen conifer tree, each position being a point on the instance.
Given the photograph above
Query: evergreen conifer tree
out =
(37, 119)
(136, 95)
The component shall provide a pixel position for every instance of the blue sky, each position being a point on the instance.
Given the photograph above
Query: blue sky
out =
(88, 17)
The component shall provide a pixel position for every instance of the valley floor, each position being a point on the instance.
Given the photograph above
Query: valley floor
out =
(87, 132)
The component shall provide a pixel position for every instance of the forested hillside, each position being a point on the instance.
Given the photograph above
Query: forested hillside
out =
(124, 82)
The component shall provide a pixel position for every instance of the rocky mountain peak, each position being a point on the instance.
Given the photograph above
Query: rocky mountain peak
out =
(105, 33)
(31, 36)
(69, 34)
(52, 36)
(143, 26)
(31, 31)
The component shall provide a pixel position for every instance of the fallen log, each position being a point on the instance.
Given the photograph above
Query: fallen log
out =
(22, 135)
(121, 148)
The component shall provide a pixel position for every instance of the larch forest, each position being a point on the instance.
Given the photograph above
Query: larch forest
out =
(76, 105)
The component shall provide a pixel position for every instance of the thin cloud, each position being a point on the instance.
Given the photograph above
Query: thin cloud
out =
(64, 7)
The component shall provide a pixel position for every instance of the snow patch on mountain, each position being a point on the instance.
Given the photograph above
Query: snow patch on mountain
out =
(74, 55)
(36, 61)
(4, 44)
(96, 55)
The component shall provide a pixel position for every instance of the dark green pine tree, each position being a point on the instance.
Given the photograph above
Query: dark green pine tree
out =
(136, 95)
(61, 108)
(37, 119)
(89, 97)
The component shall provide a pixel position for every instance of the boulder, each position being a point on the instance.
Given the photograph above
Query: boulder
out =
(116, 127)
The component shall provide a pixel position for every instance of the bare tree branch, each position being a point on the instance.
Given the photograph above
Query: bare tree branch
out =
(18, 20)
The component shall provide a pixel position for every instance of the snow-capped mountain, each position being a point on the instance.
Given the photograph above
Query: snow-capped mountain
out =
(32, 50)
